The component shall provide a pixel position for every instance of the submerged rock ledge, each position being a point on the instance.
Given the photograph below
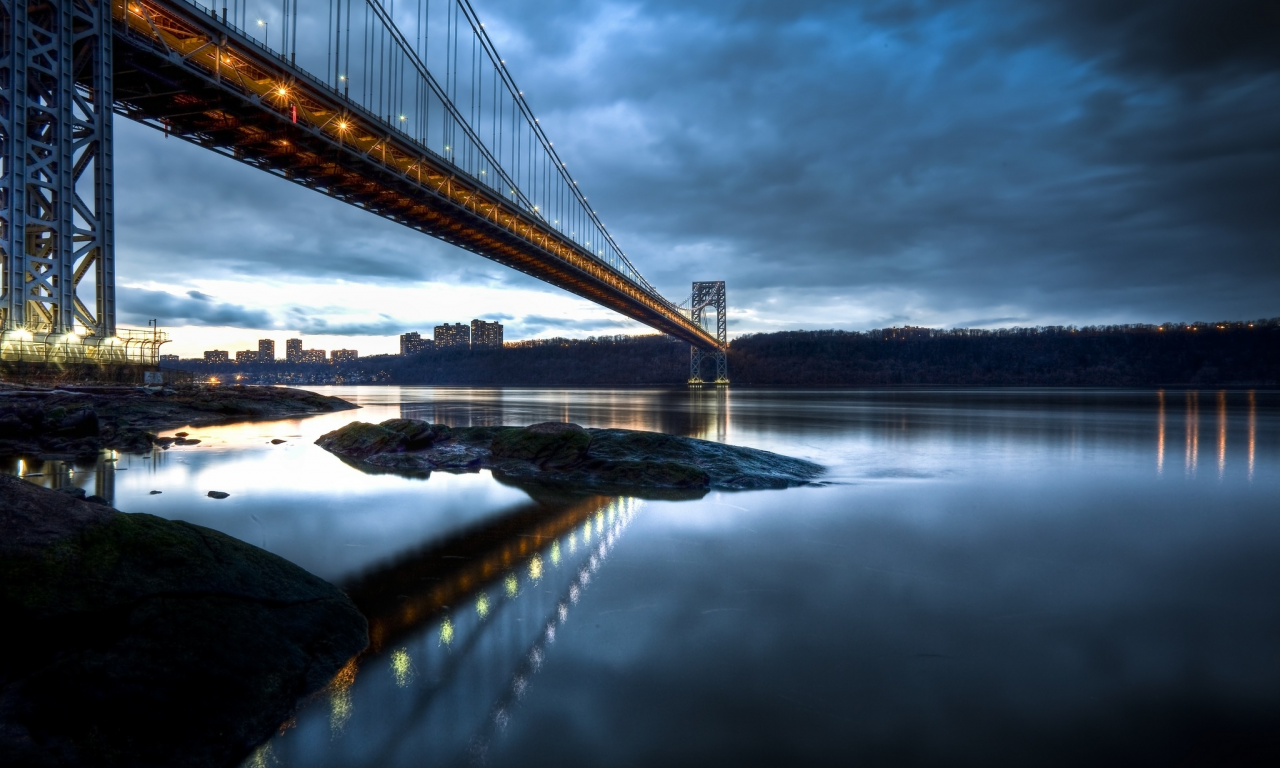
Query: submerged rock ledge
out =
(566, 454)
(131, 640)
(76, 421)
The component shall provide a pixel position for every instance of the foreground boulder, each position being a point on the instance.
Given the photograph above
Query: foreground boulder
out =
(566, 454)
(131, 640)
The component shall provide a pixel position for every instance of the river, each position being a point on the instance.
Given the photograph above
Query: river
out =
(982, 577)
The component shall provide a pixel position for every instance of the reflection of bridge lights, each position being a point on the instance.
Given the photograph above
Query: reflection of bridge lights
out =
(574, 593)
(535, 569)
(402, 667)
(511, 585)
(573, 542)
(555, 554)
(446, 632)
(563, 610)
(482, 605)
(586, 532)
(550, 632)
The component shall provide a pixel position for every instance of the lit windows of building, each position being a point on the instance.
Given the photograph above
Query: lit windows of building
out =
(453, 336)
(412, 343)
(293, 350)
(216, 356)
(311, 356)
(486, 335)
(247, 356)
(344, 356)
(267, 351)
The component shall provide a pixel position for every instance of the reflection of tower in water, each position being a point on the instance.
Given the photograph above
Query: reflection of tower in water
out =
(708, 411)
(1253, 430)
(457, 632)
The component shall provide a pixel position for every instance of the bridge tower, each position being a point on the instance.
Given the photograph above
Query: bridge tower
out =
(56, 217)
(710, 295)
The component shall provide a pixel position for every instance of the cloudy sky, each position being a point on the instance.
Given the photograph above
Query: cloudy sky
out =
(840, 164)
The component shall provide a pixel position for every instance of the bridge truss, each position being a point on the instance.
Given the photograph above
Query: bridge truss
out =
(460, 158)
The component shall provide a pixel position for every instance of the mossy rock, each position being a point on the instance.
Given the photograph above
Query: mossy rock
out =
(137, 641)
(417, 434)
(360, 440)
(549, 445)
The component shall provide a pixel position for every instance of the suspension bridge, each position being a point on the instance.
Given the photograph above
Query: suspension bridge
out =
(405, 111)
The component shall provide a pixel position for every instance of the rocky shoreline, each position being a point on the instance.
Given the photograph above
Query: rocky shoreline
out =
(79, 421)
(137, 641)
(567, 455)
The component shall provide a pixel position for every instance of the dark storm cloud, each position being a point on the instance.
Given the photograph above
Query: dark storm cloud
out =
(1079, 161)
(140, 305)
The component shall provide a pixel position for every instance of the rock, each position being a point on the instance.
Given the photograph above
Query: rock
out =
(180, 434)
(549, 445)
(137, 641)
(567, 455)
(186, 441)
(153, 493)
(277, 441)
(217, 494)
(95, 499)
(359, 440)
(72, 491)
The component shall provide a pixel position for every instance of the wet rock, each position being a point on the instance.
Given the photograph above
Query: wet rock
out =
(187, 441)
(153, 493)
(97, 500)
(568, 455)
(73, 492)
(217, 494)
(180, 435)
(549, 445)
(277, 441)
(360, 440)
(136, 641)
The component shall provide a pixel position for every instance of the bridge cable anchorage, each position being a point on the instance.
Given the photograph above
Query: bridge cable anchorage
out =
(184, 68)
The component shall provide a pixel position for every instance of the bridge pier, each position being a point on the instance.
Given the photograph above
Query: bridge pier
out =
(709, 295)
(56, 196)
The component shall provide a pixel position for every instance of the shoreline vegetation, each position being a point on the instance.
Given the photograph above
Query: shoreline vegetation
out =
(1239, 354)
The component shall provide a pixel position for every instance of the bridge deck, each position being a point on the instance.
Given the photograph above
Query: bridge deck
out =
(200, 80)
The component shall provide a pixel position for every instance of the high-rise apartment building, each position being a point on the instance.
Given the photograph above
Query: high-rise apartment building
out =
(293, 350)
(311, 356)
(216, 356)
(246, 356)
(452, 336)
(344, 356)
(267, 351)
(486, 335)
(411, 343)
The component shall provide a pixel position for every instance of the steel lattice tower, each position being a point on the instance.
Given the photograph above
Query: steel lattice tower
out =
(709, 295)
(56, 218)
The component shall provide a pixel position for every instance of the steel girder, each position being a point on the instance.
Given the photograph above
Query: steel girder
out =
(710, 295)
(56, 218)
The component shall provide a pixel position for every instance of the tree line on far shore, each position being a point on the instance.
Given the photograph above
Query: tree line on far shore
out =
(1230, 354)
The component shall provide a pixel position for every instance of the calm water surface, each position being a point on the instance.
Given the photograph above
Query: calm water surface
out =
(987, 578)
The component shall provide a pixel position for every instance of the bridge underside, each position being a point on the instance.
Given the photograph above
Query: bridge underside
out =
(175, 94)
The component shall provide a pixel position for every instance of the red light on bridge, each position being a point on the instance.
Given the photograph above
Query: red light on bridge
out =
(293, 113)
